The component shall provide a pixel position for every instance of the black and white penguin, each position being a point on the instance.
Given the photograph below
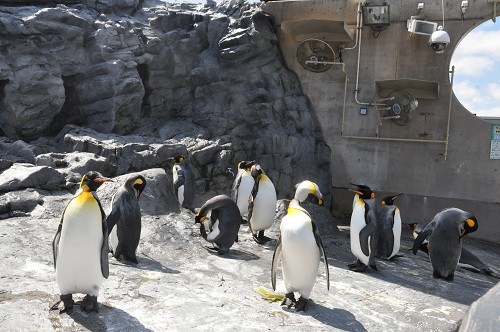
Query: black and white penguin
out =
(243, 185)
(184, 181)
(445, 233)
(262, 205)
(363, 230)
(389, 223)
(300, 248)
(126, 215)
(225, 221)
(80, 246)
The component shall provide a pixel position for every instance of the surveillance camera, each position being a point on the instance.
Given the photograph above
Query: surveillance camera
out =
(439, 40)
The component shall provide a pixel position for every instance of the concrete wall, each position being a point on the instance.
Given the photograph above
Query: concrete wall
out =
(433, 175)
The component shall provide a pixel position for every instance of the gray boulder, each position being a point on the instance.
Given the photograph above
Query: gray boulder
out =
(20, 176)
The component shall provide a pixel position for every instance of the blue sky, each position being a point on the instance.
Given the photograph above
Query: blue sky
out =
(477, 70)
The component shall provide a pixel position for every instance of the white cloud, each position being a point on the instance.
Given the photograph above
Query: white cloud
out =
(468, 94)
(489, 112)
(494, 91)
(474, 66)
(479, 43)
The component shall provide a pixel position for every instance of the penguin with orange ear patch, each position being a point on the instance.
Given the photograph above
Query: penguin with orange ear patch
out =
(445, 234)
(389, 223)
(363, 229)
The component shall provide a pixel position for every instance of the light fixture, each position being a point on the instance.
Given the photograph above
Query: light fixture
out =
(377, 16)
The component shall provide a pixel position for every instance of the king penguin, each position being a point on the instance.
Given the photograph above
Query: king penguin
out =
(389, 222)
(444, 234)
(467, 259)
(80, 246)
(242, 186)
(184, 181)
(300, 248)
(363, 230)
(262, 204)
(225, 221)
(126, 215)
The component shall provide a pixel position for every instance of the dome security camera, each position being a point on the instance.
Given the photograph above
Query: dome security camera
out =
(439, 40)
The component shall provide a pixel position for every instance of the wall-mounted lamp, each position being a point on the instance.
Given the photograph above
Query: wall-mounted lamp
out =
(463, 8)
(376, 16)
(420, 7)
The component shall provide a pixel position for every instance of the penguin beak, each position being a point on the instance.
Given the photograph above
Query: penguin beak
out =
(138, 194)
(462, 232)
(102, 179)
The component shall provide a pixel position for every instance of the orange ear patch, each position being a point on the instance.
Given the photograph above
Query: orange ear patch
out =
(470, 222)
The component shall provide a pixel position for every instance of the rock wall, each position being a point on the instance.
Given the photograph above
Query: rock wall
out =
(127, 84)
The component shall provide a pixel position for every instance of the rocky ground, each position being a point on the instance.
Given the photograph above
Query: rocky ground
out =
(179, 284)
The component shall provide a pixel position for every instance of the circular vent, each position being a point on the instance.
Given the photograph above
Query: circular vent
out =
(401, 107)
(315, 55)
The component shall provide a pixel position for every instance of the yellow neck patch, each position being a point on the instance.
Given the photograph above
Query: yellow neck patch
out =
(470, 222)
(138, 181)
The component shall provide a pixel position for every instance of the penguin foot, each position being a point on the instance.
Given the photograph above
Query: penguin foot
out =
(359, 268)
(260, 238)
(289, 300)
(132, 259)
(68, 303)
(302, 304)
(223, 251)
(89, 303)
(438, 275)
(373, 266)
(355, 264)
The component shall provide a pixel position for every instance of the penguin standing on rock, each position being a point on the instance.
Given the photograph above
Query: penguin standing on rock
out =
(300, 248)
(225, 221)
(262, 204)
(363, 230)
(445, 234)
(389, 223)
(80, 246)
(183, 181)
(126, 215)
(243, 185)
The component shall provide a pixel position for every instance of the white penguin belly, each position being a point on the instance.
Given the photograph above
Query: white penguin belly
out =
(180, 190)
(357, 224)
(300, 256)
(214, 233)
(78, 266)
(244, 192)
(113, 238)
(264, 207)
(396, 231)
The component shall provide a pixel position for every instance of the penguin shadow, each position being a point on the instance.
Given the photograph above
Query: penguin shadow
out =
(233, 254)
(144, 263)
(96, 322)
(337, 318)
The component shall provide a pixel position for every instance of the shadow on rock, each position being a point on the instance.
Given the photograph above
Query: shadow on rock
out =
(145, 263)
(338, 318)
(96, 322)
(234, 254)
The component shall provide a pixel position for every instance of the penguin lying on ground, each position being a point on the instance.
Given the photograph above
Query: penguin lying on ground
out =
(467, 259)
(363, 230)
(262, 204)
(80, 246)
(300, 248)
(225, 221)
(243, 185)
(445, 234)
(126, 215)
(184, 182)
(389, 223)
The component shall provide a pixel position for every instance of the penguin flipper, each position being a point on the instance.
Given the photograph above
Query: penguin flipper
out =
(276, 257)
(421, 238)
(105, 244)
(234, 190)
(317, 237)
(55, 242)
(369, 230)
(179, 181)
(468, 258)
